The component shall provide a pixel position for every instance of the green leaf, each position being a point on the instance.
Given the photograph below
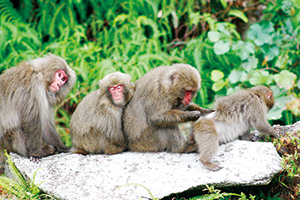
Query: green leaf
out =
(120, 18)
(194, 18)
(214, 36)
(221, 47)
(250, 64)
(238, 14)
(261, 34)
(235, 76)
(285, 79)
(244, 49)
(224, 3)
(261, 77)
(271, 52)
(175, 19)
(219, 85)
(279, 106)
(216, 75)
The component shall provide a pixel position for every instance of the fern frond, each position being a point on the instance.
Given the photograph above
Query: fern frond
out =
(8, 12)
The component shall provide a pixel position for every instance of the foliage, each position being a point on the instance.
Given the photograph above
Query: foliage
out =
(19, 186)
(289, 179)
(216, 194)
(133, 36)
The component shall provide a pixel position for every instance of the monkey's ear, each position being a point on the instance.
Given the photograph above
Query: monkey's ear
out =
(269, 95)
(174, 77)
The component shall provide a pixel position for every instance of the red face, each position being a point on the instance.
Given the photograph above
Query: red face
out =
(60, 78)
(187, 97)
(116, 92)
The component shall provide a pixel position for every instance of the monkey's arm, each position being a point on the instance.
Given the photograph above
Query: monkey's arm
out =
(263, 126)
(32, 130)
(204, 111)
(50, 136)
(173, 117)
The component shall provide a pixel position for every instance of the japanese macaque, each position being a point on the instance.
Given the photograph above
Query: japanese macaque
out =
(28, 94)
(96, 125)
(161, 101)
(234, 117)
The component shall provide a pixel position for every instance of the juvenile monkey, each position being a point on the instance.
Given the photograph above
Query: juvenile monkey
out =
(234, 117)
(161, 101)
(96, 125)
(28, 94)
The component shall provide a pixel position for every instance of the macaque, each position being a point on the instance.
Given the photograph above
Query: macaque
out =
(234, 117)
(161, 101)
(28, 94)
(96, 125)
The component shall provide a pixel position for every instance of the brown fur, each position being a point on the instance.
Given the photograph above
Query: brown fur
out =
(27, 107)
(96, 125)
(152, 116)
(234, 117)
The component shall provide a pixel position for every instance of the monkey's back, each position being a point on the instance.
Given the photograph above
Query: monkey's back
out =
(17, 97)
(238, 105)
(236, 114)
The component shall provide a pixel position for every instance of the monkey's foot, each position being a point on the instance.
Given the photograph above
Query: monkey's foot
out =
(35, 159)
(211, 166)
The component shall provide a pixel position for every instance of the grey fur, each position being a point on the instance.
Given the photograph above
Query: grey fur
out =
(234, 117)
(27, 108)
(152, 116)
(96, 125)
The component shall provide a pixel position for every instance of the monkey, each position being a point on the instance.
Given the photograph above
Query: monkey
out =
(28, 94)
(162, 100)
(234, 116)
(96, 124)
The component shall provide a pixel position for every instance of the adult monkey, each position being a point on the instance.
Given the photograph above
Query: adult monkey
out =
(28, 94)
(161, 101)
(96, 124)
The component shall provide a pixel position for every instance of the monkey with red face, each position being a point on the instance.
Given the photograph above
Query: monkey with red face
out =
(161, 101)
(28, 94)
(96, 125)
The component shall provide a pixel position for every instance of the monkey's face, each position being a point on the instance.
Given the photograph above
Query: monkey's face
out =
(187, 97)
(60, 78)
(117, 93)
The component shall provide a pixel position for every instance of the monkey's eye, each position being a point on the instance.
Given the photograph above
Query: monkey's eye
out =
(119, 86)
(64, 79)
(111, 88)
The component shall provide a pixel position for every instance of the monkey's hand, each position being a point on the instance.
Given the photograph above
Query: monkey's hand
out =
(206, 111)
(193, 115)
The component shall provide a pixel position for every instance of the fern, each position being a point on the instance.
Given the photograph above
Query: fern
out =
(8, 12)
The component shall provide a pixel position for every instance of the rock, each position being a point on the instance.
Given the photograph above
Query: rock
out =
(284, 132)
(281, 130)
(71, 176)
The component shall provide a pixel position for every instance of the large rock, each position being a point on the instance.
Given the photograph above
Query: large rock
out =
(70, 176)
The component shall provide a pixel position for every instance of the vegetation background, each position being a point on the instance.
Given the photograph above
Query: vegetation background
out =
(233, 43)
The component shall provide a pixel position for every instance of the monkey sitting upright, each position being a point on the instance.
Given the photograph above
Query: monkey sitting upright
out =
(161, 101)
(234, 116)
(28, 94)
(96, 125)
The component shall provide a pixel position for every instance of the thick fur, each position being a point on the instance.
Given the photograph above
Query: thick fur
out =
(152, 116)
(27, 107)
(96, 125)
(234, 117)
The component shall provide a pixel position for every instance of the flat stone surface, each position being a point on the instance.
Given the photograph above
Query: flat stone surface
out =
(70, 176)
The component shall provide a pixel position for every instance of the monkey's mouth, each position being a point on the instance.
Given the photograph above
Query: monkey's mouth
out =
(53, 88)
(118, 99)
